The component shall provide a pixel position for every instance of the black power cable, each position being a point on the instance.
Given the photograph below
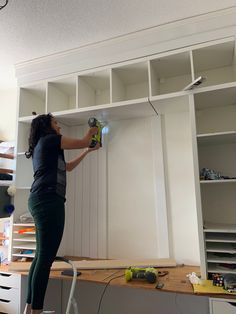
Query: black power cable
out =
(104, 290)
(3, 5)
(153, 107)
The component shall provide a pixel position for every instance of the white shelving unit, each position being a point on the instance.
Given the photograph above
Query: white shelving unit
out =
(220, 243)
(146, 95)
(216, 144)
(127, 96)
(23, 241)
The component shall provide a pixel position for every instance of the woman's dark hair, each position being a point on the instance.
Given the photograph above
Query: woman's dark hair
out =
(40, 126)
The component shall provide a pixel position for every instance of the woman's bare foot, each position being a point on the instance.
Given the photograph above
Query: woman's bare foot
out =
(27, 309)
(36, 311)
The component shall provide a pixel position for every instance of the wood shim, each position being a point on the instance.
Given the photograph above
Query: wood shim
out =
(100, 264)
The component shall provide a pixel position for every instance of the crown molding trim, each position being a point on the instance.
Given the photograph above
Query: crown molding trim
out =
(143, 43)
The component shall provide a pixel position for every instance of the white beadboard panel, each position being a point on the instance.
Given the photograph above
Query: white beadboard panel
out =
(78, 199)
(132, 225)
(62, 249)
(86, 207)
(116, 207)
(74, 192)
(93, 204)
(86, 220)
(68, 237)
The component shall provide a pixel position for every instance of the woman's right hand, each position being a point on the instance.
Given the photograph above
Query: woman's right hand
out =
(92, 131)
(96, 147)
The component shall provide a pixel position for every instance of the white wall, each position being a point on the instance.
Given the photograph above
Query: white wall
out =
(132, 225)
(182, 212)
(8, 107)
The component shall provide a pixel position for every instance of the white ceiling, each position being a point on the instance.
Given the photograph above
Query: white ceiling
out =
(34, 28)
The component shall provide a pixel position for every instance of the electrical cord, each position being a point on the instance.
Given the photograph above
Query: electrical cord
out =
(3, 6)
(160, 273)
(104, 290)
(153, 107)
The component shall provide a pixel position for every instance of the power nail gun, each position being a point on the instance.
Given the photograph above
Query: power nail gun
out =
(150, 274)
(97, 138)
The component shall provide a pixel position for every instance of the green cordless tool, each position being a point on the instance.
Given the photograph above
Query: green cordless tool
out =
(150, 274)
(97, 138)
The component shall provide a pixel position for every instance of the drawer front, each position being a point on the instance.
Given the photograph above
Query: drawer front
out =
(9, 294)
(9, 306)
(9, 280)
(223, 307)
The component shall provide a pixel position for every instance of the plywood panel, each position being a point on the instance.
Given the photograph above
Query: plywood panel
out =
(100, 264)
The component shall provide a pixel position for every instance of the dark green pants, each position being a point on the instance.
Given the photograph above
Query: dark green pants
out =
(48, 212)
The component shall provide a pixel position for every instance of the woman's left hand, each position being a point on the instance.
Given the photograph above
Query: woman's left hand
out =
(96, 147)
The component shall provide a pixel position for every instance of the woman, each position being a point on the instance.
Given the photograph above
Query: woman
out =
(47, 198)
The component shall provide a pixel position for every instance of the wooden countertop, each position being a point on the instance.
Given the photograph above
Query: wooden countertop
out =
(175, 281)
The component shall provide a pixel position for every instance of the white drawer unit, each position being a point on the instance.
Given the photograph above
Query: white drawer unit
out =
(9, 293)
(222, 306)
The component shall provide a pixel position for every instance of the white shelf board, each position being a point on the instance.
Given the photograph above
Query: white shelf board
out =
(25, 239)
(23, 255)
(24, 247)
(217, 138)
(218, 269)
(29, 232)
(211, 258)
(218, 181)
(219, 227)
(171, 95)
(221, 247)
(6, 182)
(115, 111)
(210, 88)
(137, 108)
(22, 224)
(26, 119)
(23, 187)
(220, 238)
(213, 96)
(173, 102)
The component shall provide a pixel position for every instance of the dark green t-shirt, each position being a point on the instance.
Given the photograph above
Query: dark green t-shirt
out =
(49, 166)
